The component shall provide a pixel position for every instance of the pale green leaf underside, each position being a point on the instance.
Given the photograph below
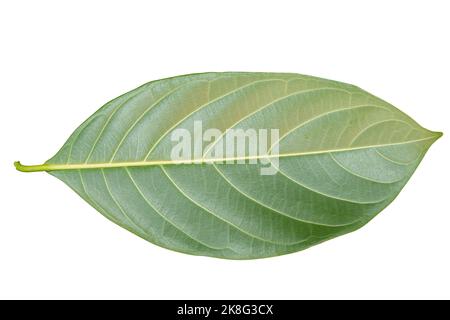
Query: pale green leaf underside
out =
(345, 155)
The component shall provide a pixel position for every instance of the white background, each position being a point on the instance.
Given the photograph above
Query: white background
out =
(60, 62)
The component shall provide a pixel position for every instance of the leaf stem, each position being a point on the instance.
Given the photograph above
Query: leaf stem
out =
(35, 168)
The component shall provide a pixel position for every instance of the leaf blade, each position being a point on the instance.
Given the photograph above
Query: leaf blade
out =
(344, 156)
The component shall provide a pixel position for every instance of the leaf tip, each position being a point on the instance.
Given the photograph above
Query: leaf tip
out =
(436, 135)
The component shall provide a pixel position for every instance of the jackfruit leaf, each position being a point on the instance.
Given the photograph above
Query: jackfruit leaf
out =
(342, 156)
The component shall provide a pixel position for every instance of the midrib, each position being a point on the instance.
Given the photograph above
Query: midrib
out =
(121, 164)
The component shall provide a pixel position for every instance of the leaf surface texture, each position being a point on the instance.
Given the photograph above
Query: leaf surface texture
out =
(344, 156)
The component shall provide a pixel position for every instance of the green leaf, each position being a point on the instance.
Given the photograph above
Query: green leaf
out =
(344, 155)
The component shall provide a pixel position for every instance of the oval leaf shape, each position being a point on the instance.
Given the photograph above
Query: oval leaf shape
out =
(334, 157)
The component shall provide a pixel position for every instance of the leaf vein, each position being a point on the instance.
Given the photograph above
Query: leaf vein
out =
(213, 214)
(273, 209)
(164, 217)
(205, 106)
